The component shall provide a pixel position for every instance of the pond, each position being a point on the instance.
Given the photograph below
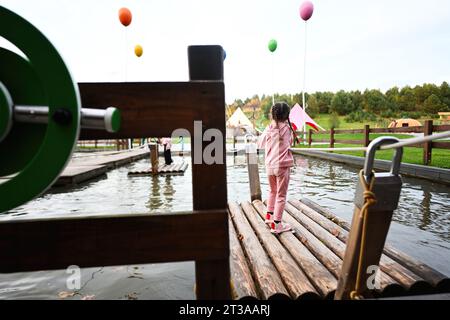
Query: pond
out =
(421, 225)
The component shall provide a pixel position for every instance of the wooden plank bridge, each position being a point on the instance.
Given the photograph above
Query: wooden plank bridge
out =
(307, 264)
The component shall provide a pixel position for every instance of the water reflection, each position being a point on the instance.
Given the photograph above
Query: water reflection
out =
(162, 193)
(421, 223)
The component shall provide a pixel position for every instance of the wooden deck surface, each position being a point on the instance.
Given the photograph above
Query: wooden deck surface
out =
(306, 264)
(172, 169)
(86, 167)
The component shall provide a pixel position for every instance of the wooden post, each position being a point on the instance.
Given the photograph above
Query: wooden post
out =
(310, 138)
(154, 157)
(366, 136)
(209, 182)
(427, 146)
(387, 189)
(332, 138)
(253, 172)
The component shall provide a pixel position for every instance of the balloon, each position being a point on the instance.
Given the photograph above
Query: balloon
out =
(125, 16)
(138, 51)
(273, 45)
(306, 10)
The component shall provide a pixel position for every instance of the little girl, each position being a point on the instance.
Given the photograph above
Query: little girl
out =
(276, 140)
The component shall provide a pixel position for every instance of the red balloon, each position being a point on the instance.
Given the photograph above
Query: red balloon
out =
(125, 16)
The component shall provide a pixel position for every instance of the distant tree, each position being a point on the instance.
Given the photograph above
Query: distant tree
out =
(342, 103)
(444, 93)
(392, 97)
(313, 106)
(374, 101)
(407, 100)
(324, 101)
(266, 104)
(357, 100)
(432, 105)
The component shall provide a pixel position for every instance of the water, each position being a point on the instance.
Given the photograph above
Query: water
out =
(421, 225)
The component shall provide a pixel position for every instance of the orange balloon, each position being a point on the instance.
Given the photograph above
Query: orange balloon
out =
(125, 16)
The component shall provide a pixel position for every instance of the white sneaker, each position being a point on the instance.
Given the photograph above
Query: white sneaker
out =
(278, 228)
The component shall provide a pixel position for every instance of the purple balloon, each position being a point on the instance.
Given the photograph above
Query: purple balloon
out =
(306, 10)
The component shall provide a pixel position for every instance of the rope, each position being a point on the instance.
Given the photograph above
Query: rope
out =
(369, 200)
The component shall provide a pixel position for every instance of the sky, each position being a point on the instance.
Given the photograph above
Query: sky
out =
(351, 44)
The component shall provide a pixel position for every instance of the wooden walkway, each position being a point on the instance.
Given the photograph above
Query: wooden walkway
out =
(306, 264)
(172, 169)
(80, 170)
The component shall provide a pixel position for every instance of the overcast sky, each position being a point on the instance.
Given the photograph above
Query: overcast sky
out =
(352, 44)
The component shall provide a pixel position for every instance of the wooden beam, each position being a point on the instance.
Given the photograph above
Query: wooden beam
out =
(209, 180)
(154, 109)
(427, 146)
(56, 243)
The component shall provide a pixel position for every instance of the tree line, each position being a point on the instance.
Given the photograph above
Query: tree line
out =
(370, 105)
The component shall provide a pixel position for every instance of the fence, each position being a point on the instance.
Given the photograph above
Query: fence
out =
(427, 130)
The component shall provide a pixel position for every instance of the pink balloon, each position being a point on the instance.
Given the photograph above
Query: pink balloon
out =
(306, 10)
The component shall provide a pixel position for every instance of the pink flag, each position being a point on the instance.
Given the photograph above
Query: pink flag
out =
(298, 117)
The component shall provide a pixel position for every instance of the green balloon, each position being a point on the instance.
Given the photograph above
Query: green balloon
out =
(273, 45)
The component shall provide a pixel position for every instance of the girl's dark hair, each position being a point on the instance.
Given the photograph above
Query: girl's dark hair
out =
(280, 111)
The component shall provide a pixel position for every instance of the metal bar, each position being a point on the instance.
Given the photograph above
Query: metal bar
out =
(97, 119)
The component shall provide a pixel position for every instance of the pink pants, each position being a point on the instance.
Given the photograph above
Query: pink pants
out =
(278, 182)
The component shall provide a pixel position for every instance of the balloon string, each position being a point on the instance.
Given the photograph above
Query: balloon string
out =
(304, 83)
(125, 53)
(273, 79)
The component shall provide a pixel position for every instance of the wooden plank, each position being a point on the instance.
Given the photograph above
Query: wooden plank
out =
(340, 229)
(338, 248)
(184, 167)
(319, 276)
(332, 139)
(253, 174)
(297, 283)
(366, 136)
(170, 105)
(427, 146)
(74, 174)
(441, 145)
(206, 63)
(441, 128)
(417, 129)
(268, 282)
(56, 243)
(360, 142)
(154, 158)
(327, 257)
(241, 277)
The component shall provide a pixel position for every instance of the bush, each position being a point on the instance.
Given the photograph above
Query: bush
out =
(411, 115)
(334, 121)
(360, 116)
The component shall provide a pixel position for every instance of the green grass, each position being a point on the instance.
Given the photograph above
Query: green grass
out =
(440, 157)
(357, 136)
(324, 121)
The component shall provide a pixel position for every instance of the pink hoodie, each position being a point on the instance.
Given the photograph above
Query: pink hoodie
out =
(276, 140)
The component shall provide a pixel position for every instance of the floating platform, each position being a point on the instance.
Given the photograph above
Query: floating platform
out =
(79, 170)
(306, 264)
(172, 169)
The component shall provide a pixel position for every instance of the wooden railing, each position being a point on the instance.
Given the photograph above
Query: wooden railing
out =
(427, 129)
(148, 110)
